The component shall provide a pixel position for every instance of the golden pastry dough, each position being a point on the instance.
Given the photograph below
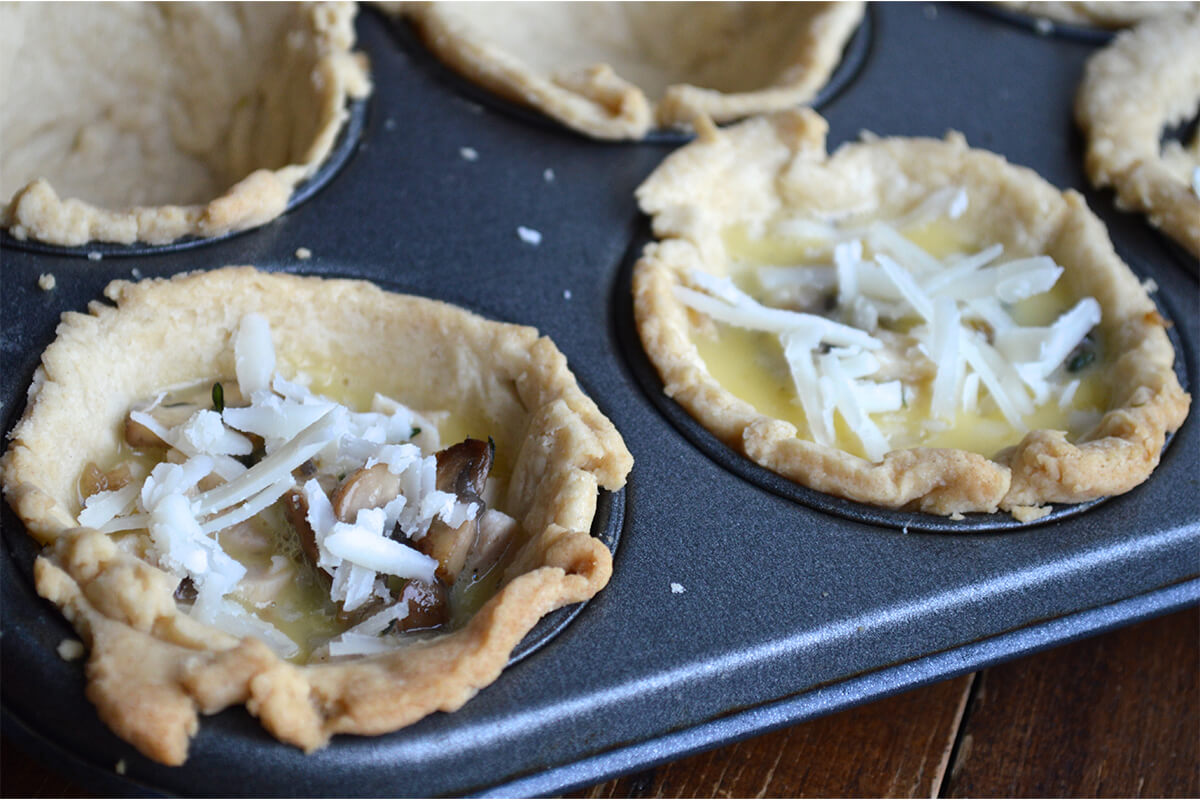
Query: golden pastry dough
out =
(1104, 14)
(151, 668)
(749, 175)
(1148, 78)
(148, 122)
(617, 70)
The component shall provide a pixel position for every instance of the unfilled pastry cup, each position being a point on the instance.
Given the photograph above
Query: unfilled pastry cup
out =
(149, 123)
(624, 70)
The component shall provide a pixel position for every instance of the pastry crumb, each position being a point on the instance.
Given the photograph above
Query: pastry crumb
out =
(136, 273)
(1149, 286)
(824, 594)
(529, 235)
(468, 153)
(904, 530)
(1030, 513)
(957, 516)
(677, 588)
(70, 649)
(120, 767)
(47, 282)
(566, 294)
(389, 124)
(1043, 26)
(303, 253)
(95, 255)
(548, 175)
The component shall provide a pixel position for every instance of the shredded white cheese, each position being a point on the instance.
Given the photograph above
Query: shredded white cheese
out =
(878, 274)
(296, 426)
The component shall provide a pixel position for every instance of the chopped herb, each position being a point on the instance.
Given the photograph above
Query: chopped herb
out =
(415, 432)
(218, 397)
(1081, 360)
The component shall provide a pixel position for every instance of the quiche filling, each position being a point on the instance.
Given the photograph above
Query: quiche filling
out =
(899, 334)
(286, 515)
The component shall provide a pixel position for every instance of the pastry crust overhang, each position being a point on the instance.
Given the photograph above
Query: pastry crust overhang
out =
(152, 669)
(752, 172)
(1147, 79)
(617, 70)
(148, 122)
(1104, 14)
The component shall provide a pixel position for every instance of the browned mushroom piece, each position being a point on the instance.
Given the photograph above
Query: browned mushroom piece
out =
(94, 479)
(364, 488)
(295, 509)
(428, 606)
(461, 470)
(168, 415)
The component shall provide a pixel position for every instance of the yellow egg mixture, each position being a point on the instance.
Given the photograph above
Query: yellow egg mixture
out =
(750, 364)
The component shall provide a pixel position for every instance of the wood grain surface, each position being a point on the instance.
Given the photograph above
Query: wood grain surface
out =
(1113, 716)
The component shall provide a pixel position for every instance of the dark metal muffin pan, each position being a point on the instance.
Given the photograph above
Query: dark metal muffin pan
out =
(790, 608)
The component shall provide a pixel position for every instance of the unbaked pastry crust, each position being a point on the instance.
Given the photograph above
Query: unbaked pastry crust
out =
(150, 122)
(1147, 79)
(747, 174)
(152, 669)
(1103, 14)
(618, 70)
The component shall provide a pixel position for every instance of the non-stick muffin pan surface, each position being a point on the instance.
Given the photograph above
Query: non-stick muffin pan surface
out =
(736, 604)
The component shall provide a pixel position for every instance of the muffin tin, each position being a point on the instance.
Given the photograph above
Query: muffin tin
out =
(738, 603)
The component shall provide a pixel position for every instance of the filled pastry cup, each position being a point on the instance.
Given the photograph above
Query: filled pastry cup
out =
(1147, 80)
(152, 122)
(135, 594)
(620, 70)
(766, 192)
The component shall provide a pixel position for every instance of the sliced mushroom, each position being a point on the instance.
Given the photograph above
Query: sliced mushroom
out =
(365, 488)
(94, 479)
(428, 606)
(295, 508)
(462, 470)
(464, 467)
(168, 415)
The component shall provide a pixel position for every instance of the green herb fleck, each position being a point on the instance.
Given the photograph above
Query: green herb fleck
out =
(1081, 360)
(415, 432)
(218, 397)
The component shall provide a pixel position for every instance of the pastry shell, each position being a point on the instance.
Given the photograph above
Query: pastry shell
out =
(1111, 14)
(152, 669)
(618, 70)
(1147, 79)
(151, 122)
(750, 172)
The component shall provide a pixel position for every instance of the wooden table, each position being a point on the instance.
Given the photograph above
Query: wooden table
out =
(1113, 716)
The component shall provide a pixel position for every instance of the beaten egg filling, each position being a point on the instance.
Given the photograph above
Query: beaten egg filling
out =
(752, 366)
